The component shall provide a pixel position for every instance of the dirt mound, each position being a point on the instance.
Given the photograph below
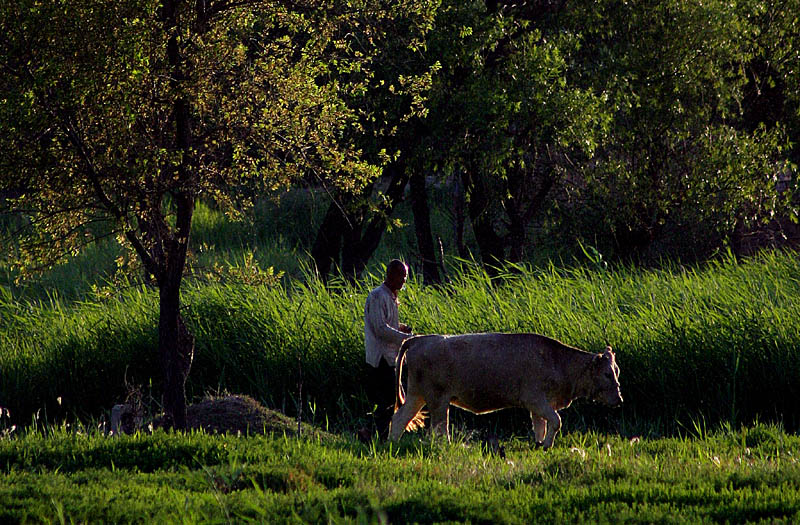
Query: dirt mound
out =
(240, 414)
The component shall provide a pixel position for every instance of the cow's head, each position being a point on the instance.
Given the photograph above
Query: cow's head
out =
(605, 379)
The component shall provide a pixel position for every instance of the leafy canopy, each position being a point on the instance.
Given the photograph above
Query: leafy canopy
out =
(113, 111)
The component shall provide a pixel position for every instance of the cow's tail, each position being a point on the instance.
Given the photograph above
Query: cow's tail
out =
(400, 397)
(418, 421)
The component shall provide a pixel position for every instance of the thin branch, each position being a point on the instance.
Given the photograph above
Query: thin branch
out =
(64, 236)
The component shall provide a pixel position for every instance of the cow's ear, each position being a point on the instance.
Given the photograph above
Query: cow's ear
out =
(609, 350)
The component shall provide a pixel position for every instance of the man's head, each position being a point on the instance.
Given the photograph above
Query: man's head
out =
(396, 274)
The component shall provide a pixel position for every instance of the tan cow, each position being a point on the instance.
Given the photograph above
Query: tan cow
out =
(487, 372)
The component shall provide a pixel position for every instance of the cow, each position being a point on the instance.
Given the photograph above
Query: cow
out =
(486, 372)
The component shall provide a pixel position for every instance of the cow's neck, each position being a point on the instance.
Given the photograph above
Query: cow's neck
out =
(581, 381)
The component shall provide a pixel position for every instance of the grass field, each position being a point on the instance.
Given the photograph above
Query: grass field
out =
(751, 475)
(710, 374)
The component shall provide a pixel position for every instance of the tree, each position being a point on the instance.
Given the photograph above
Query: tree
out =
(771, 95)
(677, 167)
(501, 114)
(389, 117)
(116, 116)
(506, 117)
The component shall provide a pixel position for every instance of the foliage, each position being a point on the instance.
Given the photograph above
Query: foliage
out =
(772, 97)
(506, 118)
(624, 124)
(751, 475)
(646, 128)
(89, 110)
(505, 94)
(676, 165)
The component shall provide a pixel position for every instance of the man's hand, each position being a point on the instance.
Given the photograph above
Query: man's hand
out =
(405, 328)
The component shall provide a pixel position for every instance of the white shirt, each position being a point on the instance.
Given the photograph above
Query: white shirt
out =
(382, 335)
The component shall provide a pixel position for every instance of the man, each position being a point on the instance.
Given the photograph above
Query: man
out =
(383, 335)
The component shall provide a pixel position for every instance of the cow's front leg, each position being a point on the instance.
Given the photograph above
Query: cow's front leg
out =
(539, 427)
(440, 416)
(546, 421)
(553, 426)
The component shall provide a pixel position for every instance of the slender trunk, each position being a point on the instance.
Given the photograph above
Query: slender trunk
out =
(489, 242)
(527, 198)
(363, 241)
(176, 350)
(422, 228)
(351, 246)
(328, 242)
(516, 240)
(514, 203)
(175, 343)
(459, 203)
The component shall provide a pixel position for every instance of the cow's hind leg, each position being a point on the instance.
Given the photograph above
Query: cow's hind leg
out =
(539, 428)
(440, 418)
(404, 415)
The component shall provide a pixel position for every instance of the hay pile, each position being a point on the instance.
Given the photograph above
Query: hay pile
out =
(239, 414)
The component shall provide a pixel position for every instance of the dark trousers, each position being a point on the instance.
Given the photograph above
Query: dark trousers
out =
(381, 390)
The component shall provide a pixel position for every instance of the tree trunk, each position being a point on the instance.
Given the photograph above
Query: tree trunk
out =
(364, 240)
(328, 242)
(527, 198)
(459, 203)
(516, 239)
(422, 228)
(514, 205)
(347, 231)
(479, 209)
(351, 245)
(175, 343)
(176, 350)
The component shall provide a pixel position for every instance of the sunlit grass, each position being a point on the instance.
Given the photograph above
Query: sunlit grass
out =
(734, 476)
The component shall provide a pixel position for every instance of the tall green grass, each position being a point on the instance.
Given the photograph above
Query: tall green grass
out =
(713, 344)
